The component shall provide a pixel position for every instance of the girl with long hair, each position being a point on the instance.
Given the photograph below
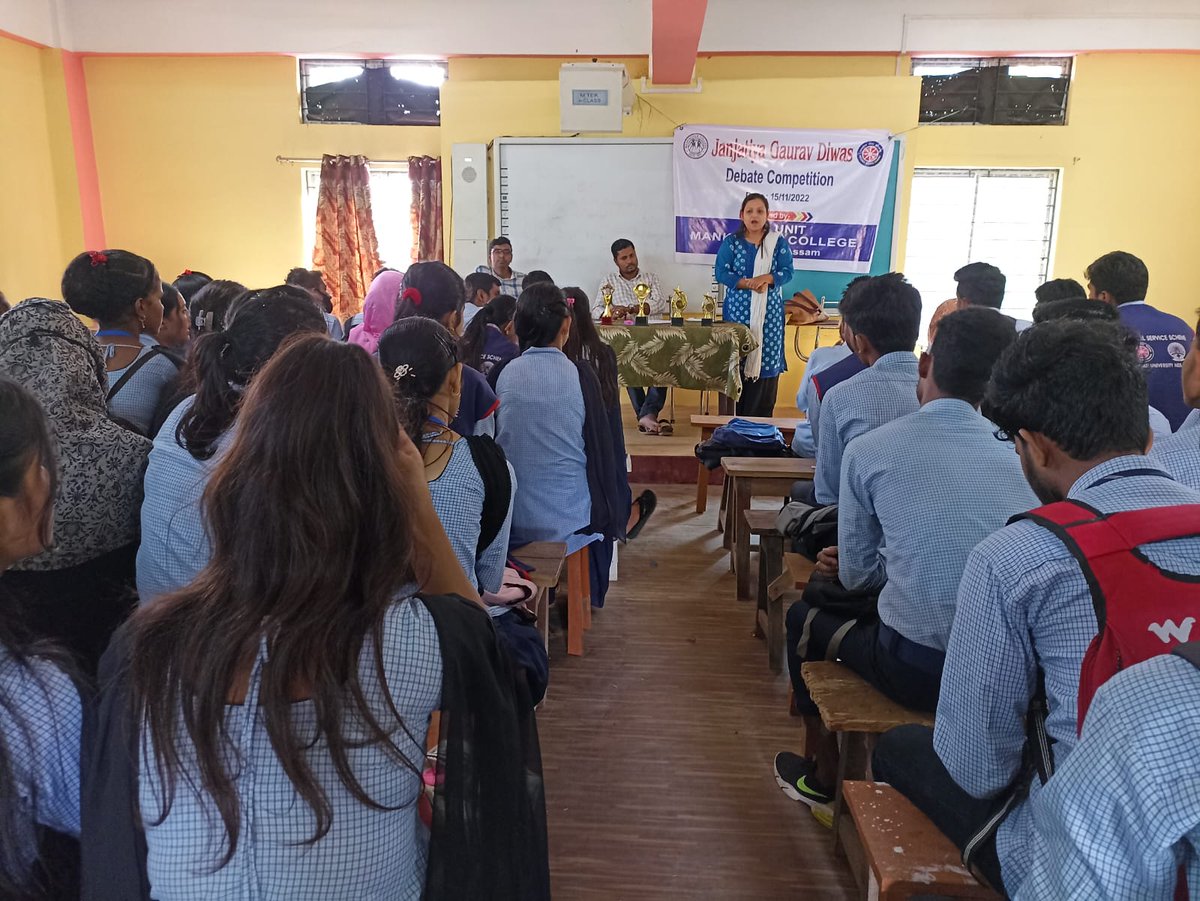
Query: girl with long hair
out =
(754, 264)
(469, 478)
(40, 711)
(280, 702)
(435, 291)
(123, 293)
(174, 546)
(490, 339)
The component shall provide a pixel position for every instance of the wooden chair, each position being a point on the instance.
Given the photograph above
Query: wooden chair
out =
(857, 713)
(709, 424)
(896, 853)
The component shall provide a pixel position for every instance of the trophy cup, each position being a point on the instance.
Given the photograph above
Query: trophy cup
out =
(606, 317)
(708, 310)
(678, 306)
(642, 290)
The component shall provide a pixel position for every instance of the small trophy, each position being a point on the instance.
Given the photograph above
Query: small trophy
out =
(642, 290)
(678, 306)
(708, 310)
(606, 317)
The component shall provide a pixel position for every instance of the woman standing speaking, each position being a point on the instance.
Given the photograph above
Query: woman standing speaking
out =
(754, 263)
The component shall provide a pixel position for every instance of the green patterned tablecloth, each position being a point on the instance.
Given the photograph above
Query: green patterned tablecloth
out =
(684, 356)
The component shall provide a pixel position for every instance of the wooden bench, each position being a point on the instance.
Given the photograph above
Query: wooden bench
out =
(857, 713)
(709, 424)
(750, 477)
(545, 559)
(896, 853)
(776, 595)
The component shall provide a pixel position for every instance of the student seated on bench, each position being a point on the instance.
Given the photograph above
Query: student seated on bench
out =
(1102, 834)
(1179, 454)
(917, 495)
(804, 441)
(883, 317)
(1072, 398)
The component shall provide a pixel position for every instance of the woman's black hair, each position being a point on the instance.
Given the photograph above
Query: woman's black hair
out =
(584, 346)
(105, 284)
(211, 304)
(432, 290)
(540, 314)
(537, 276)
(741, 230)
(222, 363)
(498, 311)
(172, 300)
(416, 355)
(24, 438)
(189, 282)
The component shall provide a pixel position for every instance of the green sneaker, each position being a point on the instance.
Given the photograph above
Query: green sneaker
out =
(795, 776)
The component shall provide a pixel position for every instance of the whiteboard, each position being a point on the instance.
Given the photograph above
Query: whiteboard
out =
(563, 201)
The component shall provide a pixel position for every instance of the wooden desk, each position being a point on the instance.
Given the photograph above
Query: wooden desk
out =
(708, 424)
(546, 559)
(751, 477)
(768, 618)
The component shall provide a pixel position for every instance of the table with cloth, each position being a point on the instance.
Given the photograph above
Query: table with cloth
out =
(699, 357)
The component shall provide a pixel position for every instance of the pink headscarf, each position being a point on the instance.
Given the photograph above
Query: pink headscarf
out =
(379, 309)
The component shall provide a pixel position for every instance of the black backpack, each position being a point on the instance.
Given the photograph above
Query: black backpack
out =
(497, 487)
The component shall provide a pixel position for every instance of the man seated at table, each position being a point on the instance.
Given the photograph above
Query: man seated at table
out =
(882, 317)
(917, 495)
(620, 282)
(500, 255)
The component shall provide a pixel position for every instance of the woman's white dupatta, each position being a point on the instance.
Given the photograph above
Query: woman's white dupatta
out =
(758, 302)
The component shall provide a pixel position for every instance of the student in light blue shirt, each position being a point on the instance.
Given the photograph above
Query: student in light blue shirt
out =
(1122, 815)
(917, 494)
(1179, 454)
(804, 443)
(195, 437)
(1072, 398)
(883, 319)
(41, 714)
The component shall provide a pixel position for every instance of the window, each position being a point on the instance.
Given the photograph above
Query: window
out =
(391, 204)
(994, 91)
(374, 92)
(1000, 216)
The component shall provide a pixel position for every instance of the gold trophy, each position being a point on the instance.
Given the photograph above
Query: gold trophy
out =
(678, 306)
(708, 310)
(606, 317)
(642, 290)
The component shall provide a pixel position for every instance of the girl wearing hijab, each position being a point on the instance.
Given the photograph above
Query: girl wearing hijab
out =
(379, 310)
(80, 588)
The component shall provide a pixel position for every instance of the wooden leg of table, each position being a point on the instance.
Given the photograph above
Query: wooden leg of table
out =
(702, 489)
(585, 566)
(730, 512)
(852, 764)
(574, 606)
(723, 509)
(770, 556)
(741, 538)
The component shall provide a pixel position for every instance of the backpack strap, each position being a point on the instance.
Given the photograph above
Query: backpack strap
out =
(137, 364)
(497, 487)
(1189, 651)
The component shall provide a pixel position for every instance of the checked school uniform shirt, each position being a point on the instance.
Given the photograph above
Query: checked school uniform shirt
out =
(1123, 812)
(917, 495)
(1180, 454)
(1023, 602)
(877, 395)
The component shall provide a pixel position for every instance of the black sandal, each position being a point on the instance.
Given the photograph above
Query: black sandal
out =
(647, 501)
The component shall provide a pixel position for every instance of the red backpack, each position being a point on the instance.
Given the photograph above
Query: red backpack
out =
(1141, 610)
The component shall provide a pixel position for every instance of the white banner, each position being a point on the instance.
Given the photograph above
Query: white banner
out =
(826, 190)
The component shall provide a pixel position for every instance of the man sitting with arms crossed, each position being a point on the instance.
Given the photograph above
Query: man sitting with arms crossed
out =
(882, 318)
(917, 495)
(481, 288)
(647, 403)
(1072, 398)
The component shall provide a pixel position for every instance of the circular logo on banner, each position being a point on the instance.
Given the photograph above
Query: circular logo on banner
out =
(870, 153)
(1176, 351)
(1145, 353)
(695, 145)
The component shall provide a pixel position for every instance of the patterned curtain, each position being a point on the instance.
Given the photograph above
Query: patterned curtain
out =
(425, 174)
(347, 252)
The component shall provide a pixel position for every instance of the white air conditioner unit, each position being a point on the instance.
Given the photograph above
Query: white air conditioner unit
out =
(469, 205)
(594, 97)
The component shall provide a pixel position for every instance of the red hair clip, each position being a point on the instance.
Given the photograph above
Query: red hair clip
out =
(571, 302)
(411, 293)
(97, 257)
(187, 272)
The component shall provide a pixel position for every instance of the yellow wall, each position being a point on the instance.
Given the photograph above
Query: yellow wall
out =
(40, 224)
(186, 149)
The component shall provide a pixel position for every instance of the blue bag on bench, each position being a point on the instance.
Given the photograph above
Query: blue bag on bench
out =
(742, 438)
